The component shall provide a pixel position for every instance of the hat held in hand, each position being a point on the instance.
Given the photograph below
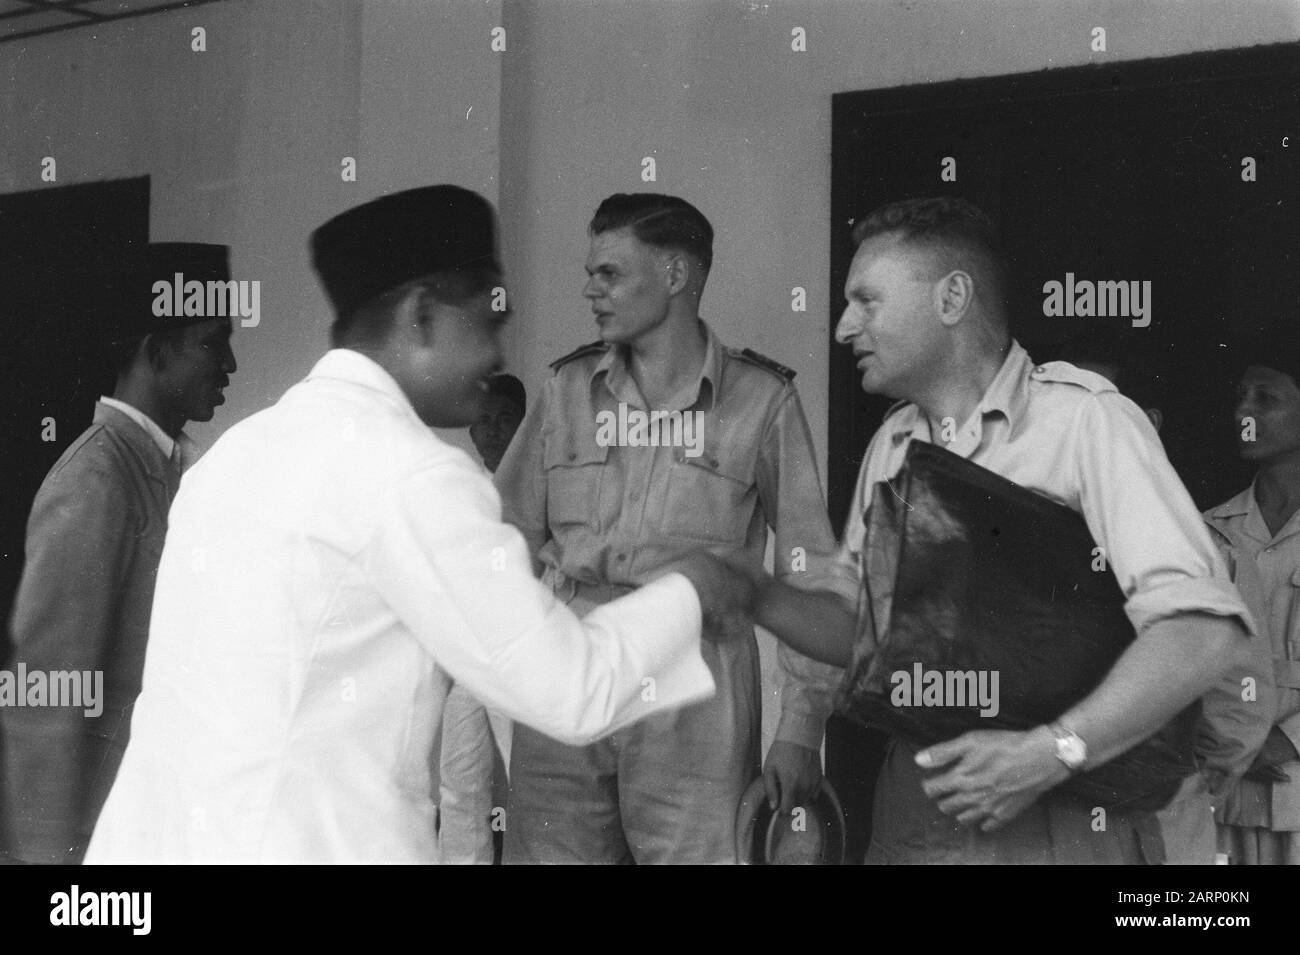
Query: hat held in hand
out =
(812, 835)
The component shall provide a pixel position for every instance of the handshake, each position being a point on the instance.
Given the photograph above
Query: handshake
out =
(728, 591)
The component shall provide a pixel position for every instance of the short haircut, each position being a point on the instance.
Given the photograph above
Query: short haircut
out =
(510, 388)
(941, 223)
(664, 222)
(371, 322)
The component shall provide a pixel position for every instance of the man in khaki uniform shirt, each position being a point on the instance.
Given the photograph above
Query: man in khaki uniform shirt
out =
(1235, 714)
(603, 511)
(926, 320)
(1259, 531)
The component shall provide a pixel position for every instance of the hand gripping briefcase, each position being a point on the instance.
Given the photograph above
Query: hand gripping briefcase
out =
(994, 588)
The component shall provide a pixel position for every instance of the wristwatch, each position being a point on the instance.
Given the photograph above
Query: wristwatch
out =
(1070, 747)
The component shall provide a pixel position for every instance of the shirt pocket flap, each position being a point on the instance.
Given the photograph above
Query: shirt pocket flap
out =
(574, 465)
(710, 495)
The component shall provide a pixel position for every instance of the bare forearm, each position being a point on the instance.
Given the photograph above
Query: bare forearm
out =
(1172, 663)
(817, 623)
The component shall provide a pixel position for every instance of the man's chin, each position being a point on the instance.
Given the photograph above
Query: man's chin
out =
(873, 386)
(611, 333)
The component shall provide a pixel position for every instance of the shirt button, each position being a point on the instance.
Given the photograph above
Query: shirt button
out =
(713, 463)
(573, 455)
(636, 496)
(622, 556)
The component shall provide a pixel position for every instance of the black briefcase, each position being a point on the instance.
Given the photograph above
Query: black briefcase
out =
(991, 578)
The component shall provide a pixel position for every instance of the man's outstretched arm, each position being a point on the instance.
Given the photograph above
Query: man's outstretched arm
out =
(817, 623)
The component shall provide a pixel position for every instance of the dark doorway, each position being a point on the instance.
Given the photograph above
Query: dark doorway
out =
(1128, 171)
(63, 249)
(1120, 172)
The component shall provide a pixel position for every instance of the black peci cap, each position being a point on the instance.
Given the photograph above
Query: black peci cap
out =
(149, 307)
(390, 241)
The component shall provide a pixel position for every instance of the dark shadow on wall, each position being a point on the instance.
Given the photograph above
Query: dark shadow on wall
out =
(62, 250)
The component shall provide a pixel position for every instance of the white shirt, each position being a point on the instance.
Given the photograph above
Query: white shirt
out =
(329, 563)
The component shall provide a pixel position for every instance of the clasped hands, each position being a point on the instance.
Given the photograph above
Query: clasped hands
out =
(727, 588)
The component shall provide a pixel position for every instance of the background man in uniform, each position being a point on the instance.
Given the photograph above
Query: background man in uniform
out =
(1259, 530)
(93, 542)
(603, 518)
(1234, 723)
(332, 566)
(475, 751)
(926, 319)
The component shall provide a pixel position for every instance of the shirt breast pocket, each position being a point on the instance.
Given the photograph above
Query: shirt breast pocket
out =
(574, 471)
(711, 497)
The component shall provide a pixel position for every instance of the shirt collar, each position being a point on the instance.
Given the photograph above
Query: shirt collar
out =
(1237, 506)
(618, 378)
(344, 364)
(1246, 505)
(160, 437)
(1007, 394)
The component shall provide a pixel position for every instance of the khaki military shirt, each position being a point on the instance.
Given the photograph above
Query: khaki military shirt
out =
(1069, 435)
(1266, 568)
(603, 516)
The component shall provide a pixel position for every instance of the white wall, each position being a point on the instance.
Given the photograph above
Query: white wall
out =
(740, 125)
(244, 141)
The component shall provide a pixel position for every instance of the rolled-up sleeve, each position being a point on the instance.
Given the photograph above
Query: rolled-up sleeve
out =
(1141, 515)
(461, 581)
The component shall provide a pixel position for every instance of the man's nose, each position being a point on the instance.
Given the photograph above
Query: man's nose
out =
(228, 363)
(592, 289)
(848, 327)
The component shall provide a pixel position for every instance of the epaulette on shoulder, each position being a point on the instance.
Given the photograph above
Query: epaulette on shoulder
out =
(591, 349)
(776, 368)
(1064, 372)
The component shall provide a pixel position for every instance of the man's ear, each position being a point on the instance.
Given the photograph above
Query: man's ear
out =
(416, 314)
(677, 272)
(953, 295)
(1157, 417)
(157, 351)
